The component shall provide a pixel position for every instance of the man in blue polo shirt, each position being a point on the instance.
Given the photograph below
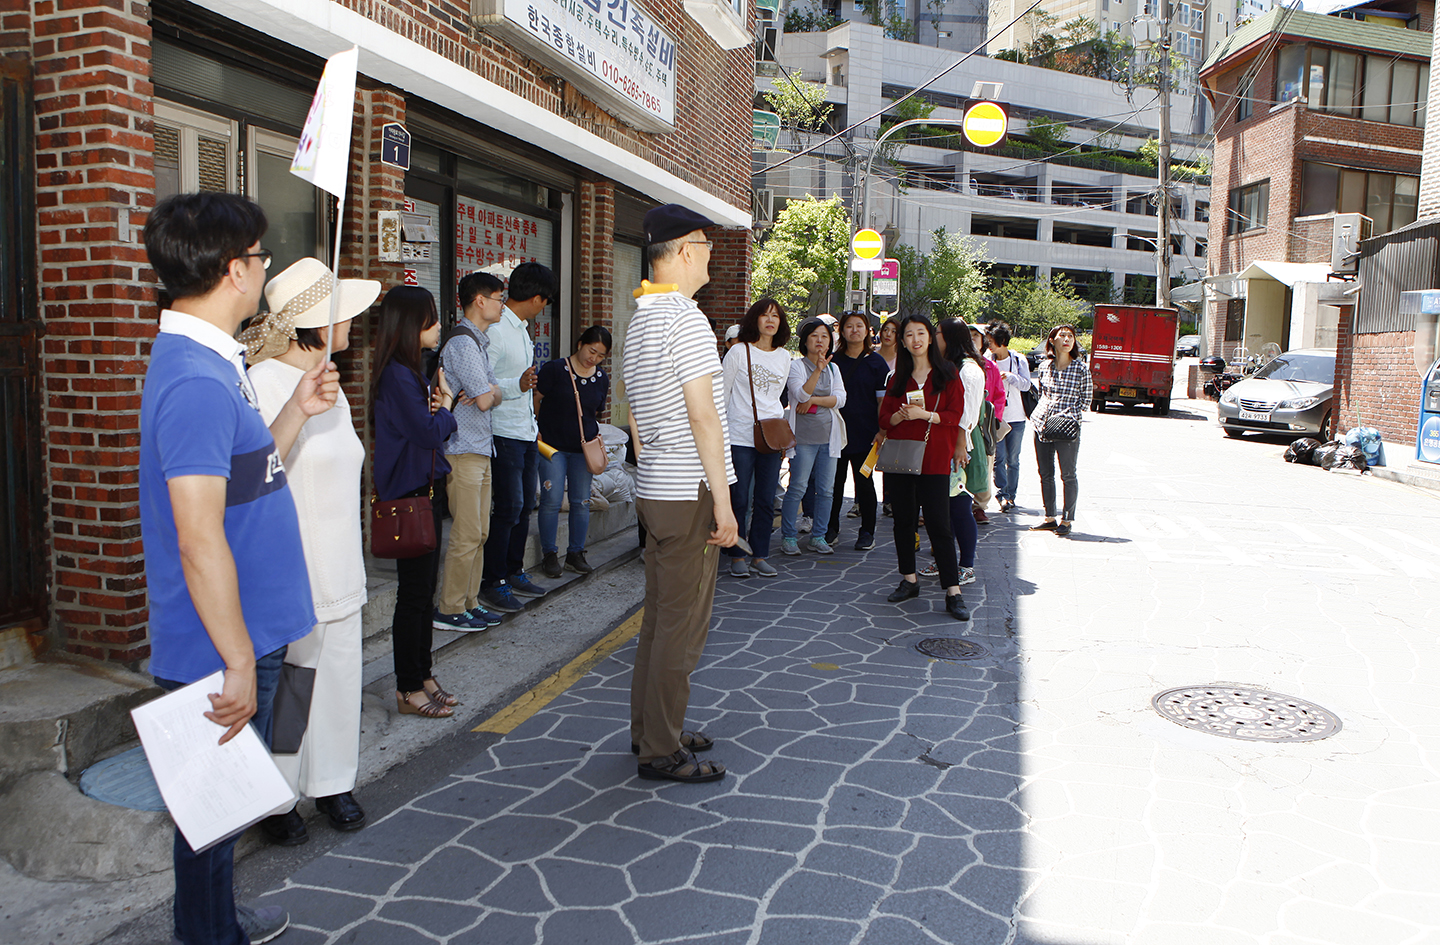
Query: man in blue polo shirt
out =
(223, 561)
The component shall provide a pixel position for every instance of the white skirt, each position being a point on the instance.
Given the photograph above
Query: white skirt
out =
(329, 755)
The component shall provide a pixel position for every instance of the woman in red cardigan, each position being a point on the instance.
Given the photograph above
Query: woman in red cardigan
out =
(919, 366)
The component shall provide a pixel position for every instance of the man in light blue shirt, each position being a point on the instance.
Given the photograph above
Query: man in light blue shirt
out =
(515, 467)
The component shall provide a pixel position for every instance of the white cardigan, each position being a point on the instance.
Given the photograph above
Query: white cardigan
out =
(323, 469)
(838, 436)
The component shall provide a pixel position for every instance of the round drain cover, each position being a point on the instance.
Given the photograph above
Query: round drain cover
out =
(951, 648)
(1254, 715)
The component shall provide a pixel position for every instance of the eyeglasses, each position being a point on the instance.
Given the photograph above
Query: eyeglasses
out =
(264, 256)
(708, 244)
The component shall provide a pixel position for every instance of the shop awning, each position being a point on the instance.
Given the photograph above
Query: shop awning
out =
(325, 28)
(1288, 273)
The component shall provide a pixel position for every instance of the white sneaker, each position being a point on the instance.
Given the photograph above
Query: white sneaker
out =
(806, 523)
(967, 575)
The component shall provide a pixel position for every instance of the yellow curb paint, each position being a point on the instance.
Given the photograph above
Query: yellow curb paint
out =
(507, 719)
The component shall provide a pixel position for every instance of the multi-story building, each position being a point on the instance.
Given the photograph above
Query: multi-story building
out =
(1081, 215)
(1319, 126)
(539, 130)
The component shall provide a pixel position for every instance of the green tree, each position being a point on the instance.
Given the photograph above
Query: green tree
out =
(1047, 132)
(809, 19)
(1032, 307)
(800, 105)
(890, 16)
(957, 278)
(805, 258)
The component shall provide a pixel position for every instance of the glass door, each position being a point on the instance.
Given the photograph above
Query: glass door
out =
(295, 208)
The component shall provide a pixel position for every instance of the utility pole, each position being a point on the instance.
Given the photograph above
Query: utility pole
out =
(1162, 251)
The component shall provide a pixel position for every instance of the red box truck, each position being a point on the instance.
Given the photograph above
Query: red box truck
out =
(1132, 357)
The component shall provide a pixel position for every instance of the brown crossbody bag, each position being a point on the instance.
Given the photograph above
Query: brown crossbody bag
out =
(594, 450)
(771, 436)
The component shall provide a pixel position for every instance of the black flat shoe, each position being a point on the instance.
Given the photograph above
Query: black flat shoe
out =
(1044, 527)
(1062, 529)
(285, 830)
(906, 591)
(344, 811)
(955, 607)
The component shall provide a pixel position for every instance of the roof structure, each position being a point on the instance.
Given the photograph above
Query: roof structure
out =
(1330, 30)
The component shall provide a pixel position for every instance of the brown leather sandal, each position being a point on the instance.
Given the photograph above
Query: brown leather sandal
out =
(430, 709)
(438, 694)
(682, 766)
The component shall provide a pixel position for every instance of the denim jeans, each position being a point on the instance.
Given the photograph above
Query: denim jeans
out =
(514, 474)
(757, 476)
(555, 473)
(808, 458)
(204, 882)
(1007, 461)
(1068, 453)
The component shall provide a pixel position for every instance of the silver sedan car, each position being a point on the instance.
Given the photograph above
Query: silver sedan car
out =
(1292, 395)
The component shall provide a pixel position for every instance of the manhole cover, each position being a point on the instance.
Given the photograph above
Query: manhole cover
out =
(1253, 715)
(951, 648)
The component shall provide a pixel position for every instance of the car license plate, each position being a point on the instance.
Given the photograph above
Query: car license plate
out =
(1255, 416)
(1127, 392)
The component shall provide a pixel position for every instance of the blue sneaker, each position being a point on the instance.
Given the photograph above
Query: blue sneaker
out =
(482, 616)
(520, 583)
(501, 598)
(461, 622)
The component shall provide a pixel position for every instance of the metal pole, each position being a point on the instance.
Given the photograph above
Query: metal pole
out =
(1162, 251)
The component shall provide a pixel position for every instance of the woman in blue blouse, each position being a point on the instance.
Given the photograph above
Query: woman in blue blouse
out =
(556, 388)
(412, 423)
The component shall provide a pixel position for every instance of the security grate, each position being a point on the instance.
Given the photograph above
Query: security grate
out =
(1249, 714)
(951, 648)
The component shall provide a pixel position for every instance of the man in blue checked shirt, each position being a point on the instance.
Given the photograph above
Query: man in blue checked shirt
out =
(515, 470)
(466, 356)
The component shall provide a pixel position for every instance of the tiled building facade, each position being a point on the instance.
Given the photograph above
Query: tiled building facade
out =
(133, 101)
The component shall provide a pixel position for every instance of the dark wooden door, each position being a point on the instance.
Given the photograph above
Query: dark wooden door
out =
(23, 594)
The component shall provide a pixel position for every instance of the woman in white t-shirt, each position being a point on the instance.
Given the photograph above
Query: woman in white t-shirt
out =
(324, 469)
(757, 361)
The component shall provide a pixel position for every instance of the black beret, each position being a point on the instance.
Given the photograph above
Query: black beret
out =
(672, 221)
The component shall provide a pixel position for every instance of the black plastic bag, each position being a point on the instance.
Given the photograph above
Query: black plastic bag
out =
(1343, 457)
(1302, 451)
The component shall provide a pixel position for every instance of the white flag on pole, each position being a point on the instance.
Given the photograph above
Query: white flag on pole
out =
(323, 156)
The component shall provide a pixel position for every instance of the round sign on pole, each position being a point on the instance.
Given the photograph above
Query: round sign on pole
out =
(985, 124)
(867, 244)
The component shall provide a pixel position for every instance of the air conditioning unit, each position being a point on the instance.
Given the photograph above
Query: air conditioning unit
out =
(762, 206)
(1350, 229)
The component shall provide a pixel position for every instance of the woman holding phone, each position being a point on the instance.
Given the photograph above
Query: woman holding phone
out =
(816, 391)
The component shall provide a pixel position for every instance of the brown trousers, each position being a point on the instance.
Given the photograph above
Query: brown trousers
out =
(680, 571)
(469, 490)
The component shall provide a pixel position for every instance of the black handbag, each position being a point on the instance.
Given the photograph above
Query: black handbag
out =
(1059, 428)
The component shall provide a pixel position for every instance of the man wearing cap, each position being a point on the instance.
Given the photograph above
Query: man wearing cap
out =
(515, 470)
(674, 382)
(228, 589)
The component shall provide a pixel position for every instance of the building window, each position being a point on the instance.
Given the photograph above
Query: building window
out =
(1202, 211)
(1388, 199)
(1235, 320)
(1201, 245)
(1245, 98)
(1249, 207)
(1375, 88)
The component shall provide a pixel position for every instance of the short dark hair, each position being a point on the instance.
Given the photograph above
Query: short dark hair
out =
(1000, 333)
(866, 347)
(811, 325)
(191, 239)
(531, 279)
(476, 284)
(593, 334)
(750, 323)
(309, 339)
(658, 252)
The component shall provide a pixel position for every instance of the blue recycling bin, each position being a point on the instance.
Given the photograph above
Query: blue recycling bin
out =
(1427, 437)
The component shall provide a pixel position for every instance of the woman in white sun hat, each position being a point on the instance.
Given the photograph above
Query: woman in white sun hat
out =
(324, 469)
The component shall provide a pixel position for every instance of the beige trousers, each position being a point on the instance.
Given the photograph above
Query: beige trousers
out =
(329, 755)
(469, 490)
(680, 571)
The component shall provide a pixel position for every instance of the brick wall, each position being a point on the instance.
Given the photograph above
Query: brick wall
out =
(95, 183)
(1376, 384)
(727, 295)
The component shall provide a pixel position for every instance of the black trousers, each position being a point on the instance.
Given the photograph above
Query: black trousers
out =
(910, 494)
(864, 494)
(410, 631)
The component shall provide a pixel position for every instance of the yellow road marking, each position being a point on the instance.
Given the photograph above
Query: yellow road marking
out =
(505, 721)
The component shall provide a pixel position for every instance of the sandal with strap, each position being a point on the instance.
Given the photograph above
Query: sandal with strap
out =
(438, 694)
(690, 741)
(682, 766)
(430, 710)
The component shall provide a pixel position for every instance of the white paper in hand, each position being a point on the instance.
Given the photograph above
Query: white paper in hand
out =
(213, 791)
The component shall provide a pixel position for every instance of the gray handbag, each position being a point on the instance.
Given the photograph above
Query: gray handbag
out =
(902, 457)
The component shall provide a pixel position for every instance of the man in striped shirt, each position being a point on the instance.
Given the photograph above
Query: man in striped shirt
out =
(674, 383)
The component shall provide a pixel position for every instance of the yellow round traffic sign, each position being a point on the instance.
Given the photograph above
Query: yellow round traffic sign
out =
(867, 244)
(985, 124)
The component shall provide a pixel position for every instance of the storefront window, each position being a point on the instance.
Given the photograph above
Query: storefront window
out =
(488, 236)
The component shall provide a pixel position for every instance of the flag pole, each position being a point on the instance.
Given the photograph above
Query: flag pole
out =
(335, 274)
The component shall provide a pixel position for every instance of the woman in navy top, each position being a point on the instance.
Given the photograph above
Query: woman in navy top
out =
(412, 423)
(556, 386)
(864, 373)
